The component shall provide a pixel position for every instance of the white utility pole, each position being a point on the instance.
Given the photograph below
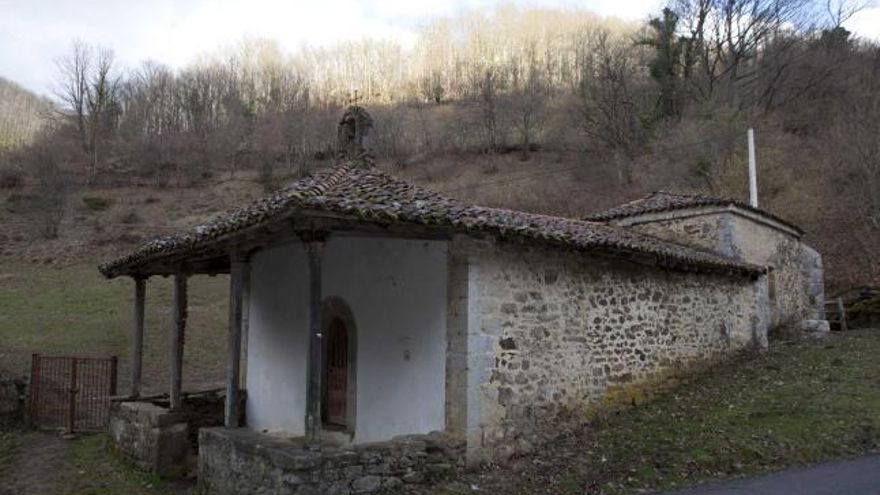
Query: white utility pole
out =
(753, 173)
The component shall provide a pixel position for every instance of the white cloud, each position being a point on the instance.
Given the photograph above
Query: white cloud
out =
(866, 23)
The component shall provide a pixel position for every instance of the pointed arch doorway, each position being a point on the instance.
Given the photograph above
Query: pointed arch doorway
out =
(339, 377)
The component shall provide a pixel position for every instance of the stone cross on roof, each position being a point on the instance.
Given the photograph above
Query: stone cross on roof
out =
(353, 132)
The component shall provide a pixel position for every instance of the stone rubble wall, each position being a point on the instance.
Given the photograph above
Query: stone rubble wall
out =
(554, 336)
(153, 438)
(797, 275)
(797, 271)
(236, 461)
(710, 232)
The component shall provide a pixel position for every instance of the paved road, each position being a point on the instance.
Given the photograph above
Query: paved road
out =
(854, 477)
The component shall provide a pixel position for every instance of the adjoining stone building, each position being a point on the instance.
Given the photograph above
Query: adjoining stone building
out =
(382, 334)
(736, 230)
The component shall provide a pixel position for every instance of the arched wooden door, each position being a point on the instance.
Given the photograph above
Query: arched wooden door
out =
(335, 377)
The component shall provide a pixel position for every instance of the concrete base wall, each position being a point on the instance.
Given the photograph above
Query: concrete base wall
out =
(237, 461)
(155, 439)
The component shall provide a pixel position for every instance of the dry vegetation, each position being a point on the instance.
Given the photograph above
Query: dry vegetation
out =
(549, 110)
(801, 403)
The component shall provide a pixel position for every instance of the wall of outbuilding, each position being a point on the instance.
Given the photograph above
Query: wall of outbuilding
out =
(396, 291)
(550, 335)
(796, 277)
(798, 292)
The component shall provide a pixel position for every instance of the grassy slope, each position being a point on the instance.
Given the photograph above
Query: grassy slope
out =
(73, 310)
(100, 471)
(799, 403)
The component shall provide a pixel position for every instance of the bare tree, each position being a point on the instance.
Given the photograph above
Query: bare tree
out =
(74, 71)
(528, 99)
(51, 189)
(88, 91)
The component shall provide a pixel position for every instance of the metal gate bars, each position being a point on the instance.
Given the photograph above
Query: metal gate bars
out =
(72, 392)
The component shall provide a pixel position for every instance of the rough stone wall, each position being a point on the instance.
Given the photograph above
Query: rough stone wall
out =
(711, 232)
(236, 461)
(555, 335)
(797, 278)
(797, 272)
(153, 438)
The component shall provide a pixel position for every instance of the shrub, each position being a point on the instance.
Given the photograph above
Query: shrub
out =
(95, 203)
(11, 178)
(130, 218)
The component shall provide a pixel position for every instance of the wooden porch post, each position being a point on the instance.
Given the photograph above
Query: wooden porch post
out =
(314, 247)
(137, 336)
(177, 338)
(245, 323)
(233, 341)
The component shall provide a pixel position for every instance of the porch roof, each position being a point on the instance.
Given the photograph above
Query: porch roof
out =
(354, 194)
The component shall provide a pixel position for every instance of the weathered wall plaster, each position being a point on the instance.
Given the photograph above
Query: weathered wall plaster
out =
(396, 290)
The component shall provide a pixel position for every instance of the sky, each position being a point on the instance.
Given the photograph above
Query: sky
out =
(34, 33)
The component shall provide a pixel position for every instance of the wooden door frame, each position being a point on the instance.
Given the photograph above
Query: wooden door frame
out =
(333, 308)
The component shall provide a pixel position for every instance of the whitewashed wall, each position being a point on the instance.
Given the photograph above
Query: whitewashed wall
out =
(396, 290)
(278, 340)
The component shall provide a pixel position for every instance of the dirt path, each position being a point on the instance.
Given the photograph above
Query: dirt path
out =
(40, 463)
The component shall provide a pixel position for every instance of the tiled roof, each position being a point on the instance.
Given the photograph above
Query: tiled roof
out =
(371, 195)
(660, 201)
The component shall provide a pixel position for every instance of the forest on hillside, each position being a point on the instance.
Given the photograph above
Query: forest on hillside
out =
(634, 107)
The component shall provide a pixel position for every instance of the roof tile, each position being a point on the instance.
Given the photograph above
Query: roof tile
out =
(372, 195)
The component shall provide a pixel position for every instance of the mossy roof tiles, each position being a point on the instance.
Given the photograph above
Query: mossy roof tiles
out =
(370, 195)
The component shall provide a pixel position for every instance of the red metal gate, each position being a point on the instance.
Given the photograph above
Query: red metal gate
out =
(72, 392)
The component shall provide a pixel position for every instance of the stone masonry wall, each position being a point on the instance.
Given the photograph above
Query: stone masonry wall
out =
(797, 281)
(709, 232)
(153, 438)
(238, 461)
(797, 292)
(555, 335)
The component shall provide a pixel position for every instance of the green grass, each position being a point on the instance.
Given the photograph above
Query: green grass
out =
(797, 404)
(74, 311)
(98, 470)
(9, 444)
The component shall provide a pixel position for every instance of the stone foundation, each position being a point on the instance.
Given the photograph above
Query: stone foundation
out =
(155, 439)
(233, 461)
(161, 441)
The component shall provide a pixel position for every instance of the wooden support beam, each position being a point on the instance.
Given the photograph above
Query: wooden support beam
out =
(137, 336)
(233, 341)
(315, 248)
(245, 322)
(178, 334)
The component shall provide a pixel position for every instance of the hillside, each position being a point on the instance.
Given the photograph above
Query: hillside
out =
(106, 221)
(547, 110)
(22, 114)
